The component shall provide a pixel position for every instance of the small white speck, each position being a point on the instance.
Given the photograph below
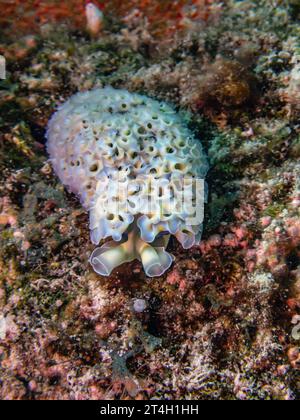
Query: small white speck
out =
(139, 305)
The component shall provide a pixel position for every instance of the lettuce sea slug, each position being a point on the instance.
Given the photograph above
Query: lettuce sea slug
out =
(118, 152)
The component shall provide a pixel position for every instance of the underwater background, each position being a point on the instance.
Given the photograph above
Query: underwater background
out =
(223, 322)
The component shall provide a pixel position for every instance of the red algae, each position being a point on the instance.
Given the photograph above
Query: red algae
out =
(21, 17)
(163, 17)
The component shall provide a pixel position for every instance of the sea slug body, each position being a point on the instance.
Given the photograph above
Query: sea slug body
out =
(118, 152)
